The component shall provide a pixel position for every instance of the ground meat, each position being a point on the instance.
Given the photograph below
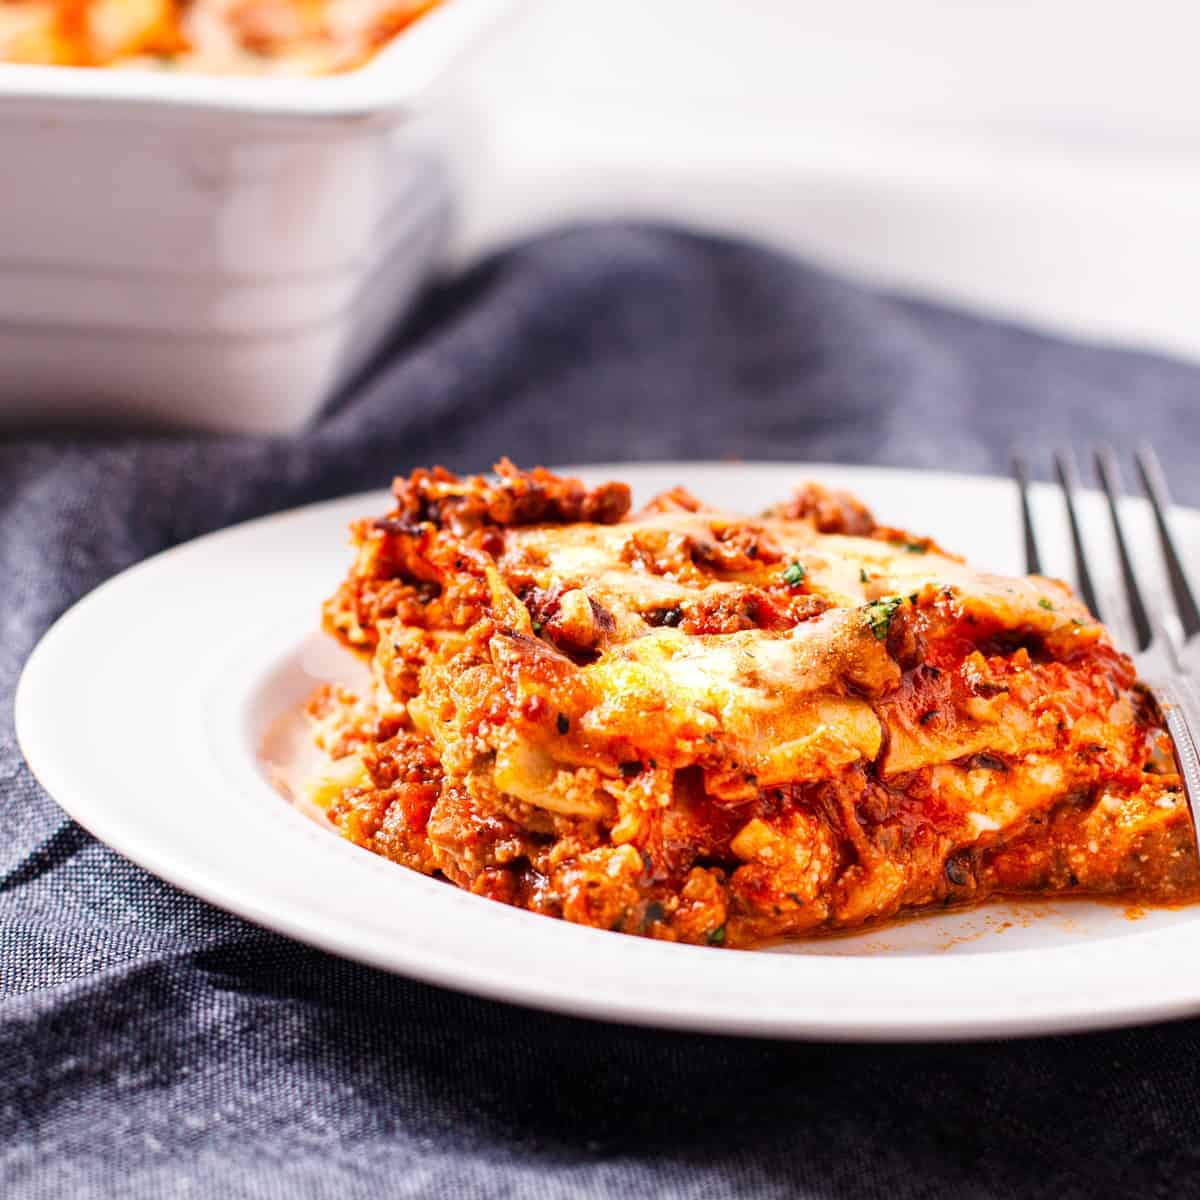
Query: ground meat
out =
(676, 500)
(829, 511)
(518, 498)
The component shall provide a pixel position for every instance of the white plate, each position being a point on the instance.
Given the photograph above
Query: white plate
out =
(144, 709)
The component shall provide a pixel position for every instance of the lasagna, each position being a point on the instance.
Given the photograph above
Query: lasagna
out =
(707, 728)
(215, 37)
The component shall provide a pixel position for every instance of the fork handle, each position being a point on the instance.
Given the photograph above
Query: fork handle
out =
(1179, 701)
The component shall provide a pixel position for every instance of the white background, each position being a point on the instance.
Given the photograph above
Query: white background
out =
(1035, 159)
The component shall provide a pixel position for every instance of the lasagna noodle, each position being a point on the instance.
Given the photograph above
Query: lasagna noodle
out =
(708, 728)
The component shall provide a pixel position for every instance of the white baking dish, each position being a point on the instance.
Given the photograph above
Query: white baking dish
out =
(215, 253)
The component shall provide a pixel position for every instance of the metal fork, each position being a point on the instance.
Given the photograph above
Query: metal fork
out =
(1165, 649)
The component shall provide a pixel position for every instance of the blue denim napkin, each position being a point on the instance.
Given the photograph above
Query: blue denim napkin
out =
(152, 1046)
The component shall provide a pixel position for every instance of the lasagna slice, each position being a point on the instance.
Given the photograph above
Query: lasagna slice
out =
(709, 728)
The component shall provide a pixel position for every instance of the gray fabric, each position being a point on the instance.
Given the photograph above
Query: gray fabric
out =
(153, 1046)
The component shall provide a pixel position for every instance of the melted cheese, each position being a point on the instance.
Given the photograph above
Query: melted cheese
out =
(773, 705)
(755, 707)
(848, 571)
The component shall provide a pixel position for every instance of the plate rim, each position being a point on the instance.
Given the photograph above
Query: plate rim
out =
(453, 972)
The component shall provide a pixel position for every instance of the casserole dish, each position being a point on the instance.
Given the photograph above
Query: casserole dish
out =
(218, 253)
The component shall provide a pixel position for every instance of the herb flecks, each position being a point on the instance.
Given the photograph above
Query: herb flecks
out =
(879, 615)
(863, 577)
(794, 574)
(1044, 603)
(916, 547)
(716, 937)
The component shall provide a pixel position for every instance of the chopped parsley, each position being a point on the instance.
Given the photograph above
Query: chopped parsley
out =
(716, 937)
(537, 629)
(879, 615)
(794, 574)
(1044, 603)
(863, 577)
(916, 547)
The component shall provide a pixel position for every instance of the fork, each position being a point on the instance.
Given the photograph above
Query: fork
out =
(1165, 651)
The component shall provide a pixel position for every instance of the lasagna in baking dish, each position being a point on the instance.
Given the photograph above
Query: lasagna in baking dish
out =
(718, 729)
(216, 37)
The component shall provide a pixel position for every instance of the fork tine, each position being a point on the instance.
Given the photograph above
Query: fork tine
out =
(1155, 485)
(1033, 560)
(1110, 479)
(1068, 478)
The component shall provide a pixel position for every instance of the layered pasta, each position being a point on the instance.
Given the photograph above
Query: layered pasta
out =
(709, 728)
